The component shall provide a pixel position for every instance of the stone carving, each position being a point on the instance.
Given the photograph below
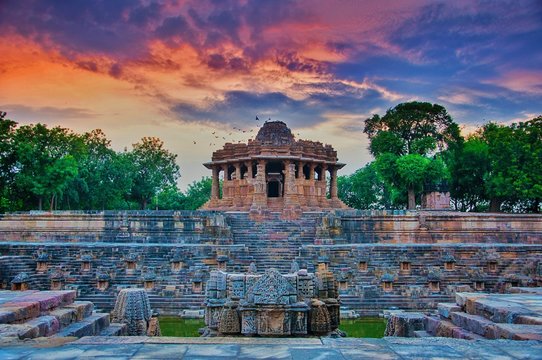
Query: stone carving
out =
(133, 308)
(272, 304)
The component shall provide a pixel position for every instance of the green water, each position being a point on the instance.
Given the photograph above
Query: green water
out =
(176, 326)
(364, 327)
(359, 328)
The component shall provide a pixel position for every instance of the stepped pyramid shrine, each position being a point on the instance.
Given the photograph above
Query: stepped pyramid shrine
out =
(275, 172)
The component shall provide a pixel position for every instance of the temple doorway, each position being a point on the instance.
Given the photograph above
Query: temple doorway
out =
(275, 179)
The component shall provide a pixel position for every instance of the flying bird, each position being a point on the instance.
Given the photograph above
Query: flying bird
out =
(257, 119)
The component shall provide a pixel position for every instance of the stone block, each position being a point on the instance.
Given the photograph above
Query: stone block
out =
(65, 316)
(83, 309)
(474, 323)
(518, 332)
(528, 320)
(41, 326)
(444, 309)
(404, 324)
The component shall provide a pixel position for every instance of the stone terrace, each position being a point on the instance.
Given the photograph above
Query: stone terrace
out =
(269, 348)
(426, 256)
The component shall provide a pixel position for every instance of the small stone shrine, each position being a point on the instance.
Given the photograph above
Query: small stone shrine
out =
(271, 304)
(133, 309)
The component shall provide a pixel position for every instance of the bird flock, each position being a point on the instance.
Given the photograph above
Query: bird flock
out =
(231, 137)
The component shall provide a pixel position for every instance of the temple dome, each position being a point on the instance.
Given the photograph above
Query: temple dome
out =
(275, 133)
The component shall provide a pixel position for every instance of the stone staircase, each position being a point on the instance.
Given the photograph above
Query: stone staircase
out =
(32, 314)
(477, 316)
(273, 243)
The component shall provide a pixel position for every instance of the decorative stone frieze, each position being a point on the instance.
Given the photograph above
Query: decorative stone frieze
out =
(271, 304)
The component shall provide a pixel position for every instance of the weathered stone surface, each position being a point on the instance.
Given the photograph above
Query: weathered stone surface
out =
(404, 324)
(518, 332)
(444, 309)
(474, 323)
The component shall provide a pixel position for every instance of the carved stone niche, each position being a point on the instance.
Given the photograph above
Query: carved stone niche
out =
(57, 280)
(131, 263)
(42, 262)
(492, 265)
(323, 263)
(387, 282)
(449, 262)
(86, 263)
(362, 266)
(102, 281)
(197, 284)
(176, 263)
(222, 262)
(479, 285)
(20, 282)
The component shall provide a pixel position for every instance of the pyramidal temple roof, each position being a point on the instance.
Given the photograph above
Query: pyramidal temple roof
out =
(275, 133)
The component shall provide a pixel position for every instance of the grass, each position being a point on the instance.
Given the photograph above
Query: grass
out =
(359, 328)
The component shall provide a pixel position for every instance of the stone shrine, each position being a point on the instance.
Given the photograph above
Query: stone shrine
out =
(274, 172)
(271, 304)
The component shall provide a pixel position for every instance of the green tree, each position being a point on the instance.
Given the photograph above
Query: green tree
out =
(365, 189)
(45, 164)
(154, 169)
(7, 159)
(411, 128)
(197, 194)
(403, 140)
(469, 166)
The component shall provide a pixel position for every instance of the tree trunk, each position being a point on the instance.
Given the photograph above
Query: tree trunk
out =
(51, 203)
(495, 205)
(40, 203)
(144, 204)
(411, 199)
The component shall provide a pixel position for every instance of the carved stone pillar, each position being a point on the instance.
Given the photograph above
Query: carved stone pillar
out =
(248, 164)
(323, 173)
(333, 186)
(300, 173)
(311, 174)
(215, 190)
(237, 171)
(259, 198)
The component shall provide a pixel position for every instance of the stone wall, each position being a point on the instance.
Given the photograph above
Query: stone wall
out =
(364, 249)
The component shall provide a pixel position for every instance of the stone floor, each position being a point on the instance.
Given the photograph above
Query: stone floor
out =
(288, 348)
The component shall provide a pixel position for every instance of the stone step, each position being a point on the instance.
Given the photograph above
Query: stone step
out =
(421, 334)
(518, 332)
(90, 326)
(19, 306)
(40, 326)
(114, 329)
(474, 323)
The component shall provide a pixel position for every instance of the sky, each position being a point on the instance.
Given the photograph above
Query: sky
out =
(197, 73)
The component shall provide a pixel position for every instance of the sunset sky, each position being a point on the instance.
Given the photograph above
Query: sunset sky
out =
(182, 70)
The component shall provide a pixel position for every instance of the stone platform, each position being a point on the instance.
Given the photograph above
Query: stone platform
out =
(292, 348)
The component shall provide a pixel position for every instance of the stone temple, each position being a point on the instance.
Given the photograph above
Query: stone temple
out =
(275, 171)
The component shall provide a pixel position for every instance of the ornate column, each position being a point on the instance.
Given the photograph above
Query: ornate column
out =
(300, 174)
(312, 186)
(323, 173)
(291, 207)
(237, 171)
(259, 198)
(215, 190)
(311, 173)
(333, 186)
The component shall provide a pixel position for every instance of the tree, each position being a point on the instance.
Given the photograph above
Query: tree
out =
(154, 169)
(469, 167)
(45, 163)
(411, 128)
(7, 158)
(403, 140)
(365, 189)
(197, 194)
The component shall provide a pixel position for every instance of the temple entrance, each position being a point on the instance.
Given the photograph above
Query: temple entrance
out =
(275, 179)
